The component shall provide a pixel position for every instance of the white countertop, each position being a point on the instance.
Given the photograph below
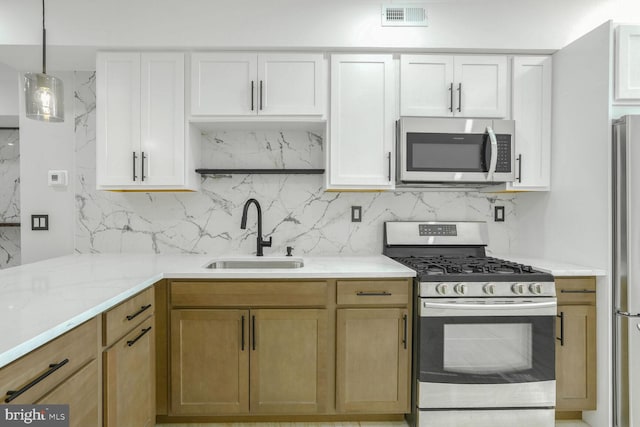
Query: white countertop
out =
(43, 300)
(557, 268)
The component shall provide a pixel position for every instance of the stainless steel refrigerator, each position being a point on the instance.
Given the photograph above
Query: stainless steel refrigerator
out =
(626, 271)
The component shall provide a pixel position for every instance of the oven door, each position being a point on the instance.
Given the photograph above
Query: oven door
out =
(486, 353)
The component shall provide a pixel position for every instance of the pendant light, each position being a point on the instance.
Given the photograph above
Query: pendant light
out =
(44, 94)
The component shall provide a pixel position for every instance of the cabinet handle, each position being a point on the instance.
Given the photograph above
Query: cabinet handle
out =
(451, 97)
(242, 340)
(389, 159)
(133, 341)
(139, 312)
(12, 394)
(561, 339)
(459, 97)
(142, 166)
(373, 294)
(253, 332)
(260, 95)
(252, 85)
(577, 291)
(404, 337)
(519, 159)
(134, 166)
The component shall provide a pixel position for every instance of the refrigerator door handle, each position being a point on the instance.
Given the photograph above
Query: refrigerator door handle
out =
(626, 314)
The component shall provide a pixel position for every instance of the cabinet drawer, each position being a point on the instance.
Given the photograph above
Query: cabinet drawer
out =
(122, 318)
(44, 368)
(366, 292)
(576, 290)
(249, 294)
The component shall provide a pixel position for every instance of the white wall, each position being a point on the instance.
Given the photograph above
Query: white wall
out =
(572, 223)
(8, 96)
(232, 24)
(44, 147)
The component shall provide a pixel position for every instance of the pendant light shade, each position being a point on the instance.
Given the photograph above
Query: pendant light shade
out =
(44, 94)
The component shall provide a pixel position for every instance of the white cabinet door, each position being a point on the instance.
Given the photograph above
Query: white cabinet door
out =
(290, 84)
(118, 118)
(362, 121)
(224, 84)
(531, 103)
(480, 86)
(628, 63)
(426, 85)
(162, 143)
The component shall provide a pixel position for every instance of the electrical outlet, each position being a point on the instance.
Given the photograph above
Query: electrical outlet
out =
(498, 213)
(356, 213)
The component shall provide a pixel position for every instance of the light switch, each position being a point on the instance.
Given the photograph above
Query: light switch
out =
(57, 178)
(498, 214)
(39, 222)
(356, 213)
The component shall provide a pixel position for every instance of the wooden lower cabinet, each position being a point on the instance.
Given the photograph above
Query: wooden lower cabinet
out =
(373, 360)
(129, 379)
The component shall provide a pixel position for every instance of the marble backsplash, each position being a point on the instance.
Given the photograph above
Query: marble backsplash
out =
(296, 210)
(9, 197)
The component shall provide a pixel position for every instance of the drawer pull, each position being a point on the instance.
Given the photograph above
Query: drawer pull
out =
(133, 341)
(139, 312)
(52, 368)
(373, 294)
(578, 291)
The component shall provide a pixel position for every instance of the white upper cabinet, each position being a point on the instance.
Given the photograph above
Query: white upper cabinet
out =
(446, 86)
(531, 104)
(246, 84)
(627, 79)
(363, 105)
(140, 139)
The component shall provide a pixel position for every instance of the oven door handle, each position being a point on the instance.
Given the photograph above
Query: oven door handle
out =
(493, 162)
(443, 309)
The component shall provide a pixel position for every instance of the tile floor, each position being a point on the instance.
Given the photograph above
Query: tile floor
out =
(345, 424)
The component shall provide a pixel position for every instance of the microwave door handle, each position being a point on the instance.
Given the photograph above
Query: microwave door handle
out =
(494, 153)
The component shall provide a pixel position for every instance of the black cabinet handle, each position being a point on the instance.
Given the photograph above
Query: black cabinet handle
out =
(139, 312)
(561, 339)
(451, 97)
(12, 394)
(242, 340)
(389, 159)
(519, 168)
(404, 337)
(260, 94)
(134, 165)
(142, 165)
(253, 332)
(577, 291)
(133, 341)
(460, 97)
(252, 89)
(373, 294)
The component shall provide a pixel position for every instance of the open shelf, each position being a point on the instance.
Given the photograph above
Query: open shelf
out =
(9, 224)
(260, 171)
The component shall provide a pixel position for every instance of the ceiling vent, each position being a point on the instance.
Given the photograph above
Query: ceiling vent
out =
(404, 15)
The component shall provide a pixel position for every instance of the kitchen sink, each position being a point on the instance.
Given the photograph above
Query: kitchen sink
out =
(256, 263)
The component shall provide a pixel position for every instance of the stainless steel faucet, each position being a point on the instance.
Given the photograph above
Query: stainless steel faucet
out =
(243, 225)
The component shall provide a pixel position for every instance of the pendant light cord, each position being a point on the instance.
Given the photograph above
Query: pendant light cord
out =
(44, 44)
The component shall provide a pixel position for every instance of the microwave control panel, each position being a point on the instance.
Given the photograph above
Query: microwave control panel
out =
(504, 153)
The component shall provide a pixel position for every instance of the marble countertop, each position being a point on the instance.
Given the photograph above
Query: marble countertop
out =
(557, 268)
(43, 300)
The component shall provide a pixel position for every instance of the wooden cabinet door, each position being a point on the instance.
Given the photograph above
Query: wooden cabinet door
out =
(372, 361)
(117, 118)
(162, 153)
(209, 362)
(363, 105)
(288, 361)
(290, 84)
(81, 393)
(224, 84)
(576, 358)
(426, 85)
(480, 86)
(627, 77)
(129, 379)
(531, 104)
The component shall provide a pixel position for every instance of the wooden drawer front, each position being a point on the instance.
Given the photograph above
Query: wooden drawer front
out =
(576, 290)
(248, 294)
(76, 347)
(122, 318)
(365, 292)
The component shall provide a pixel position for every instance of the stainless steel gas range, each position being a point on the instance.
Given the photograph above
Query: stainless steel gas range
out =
(484, 329)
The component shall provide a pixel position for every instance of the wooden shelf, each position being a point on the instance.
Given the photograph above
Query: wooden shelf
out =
(260, 171)
(9, 224)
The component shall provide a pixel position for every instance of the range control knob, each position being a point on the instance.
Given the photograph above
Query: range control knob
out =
(489, 289)
(442, 289)
(460, 289)
(518, 288)
(535, 288)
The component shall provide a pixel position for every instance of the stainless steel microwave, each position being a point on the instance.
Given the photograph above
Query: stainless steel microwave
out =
(455, 150)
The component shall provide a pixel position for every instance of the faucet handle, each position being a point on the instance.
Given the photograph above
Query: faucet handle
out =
(267, 243)
(289, 250)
